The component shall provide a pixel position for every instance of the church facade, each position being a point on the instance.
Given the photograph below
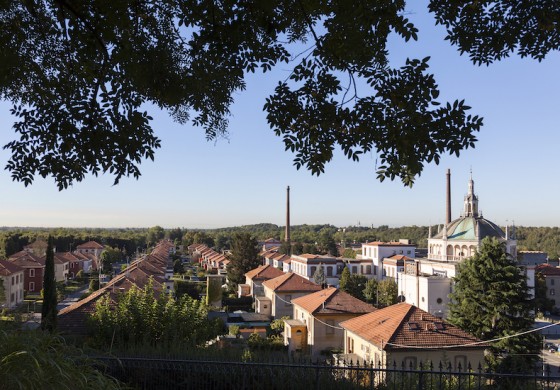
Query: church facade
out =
(427, 282)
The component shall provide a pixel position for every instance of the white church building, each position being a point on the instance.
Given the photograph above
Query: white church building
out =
(427, 282)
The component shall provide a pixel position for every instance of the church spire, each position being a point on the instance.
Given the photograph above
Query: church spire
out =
(471, 201)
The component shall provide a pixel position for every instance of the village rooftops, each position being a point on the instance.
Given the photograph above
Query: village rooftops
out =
(404, 326)
(332, 301)
(27, 260)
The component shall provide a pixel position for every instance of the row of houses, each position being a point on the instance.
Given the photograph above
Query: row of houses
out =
(22, 272)
(156, 266)
(320, 321)
(208, 258)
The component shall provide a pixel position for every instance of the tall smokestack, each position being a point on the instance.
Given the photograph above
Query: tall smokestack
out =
(287, 235)
(448, 198)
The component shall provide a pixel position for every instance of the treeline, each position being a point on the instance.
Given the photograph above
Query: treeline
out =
(130, 240)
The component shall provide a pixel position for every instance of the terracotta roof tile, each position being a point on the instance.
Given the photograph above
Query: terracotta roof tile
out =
(264, 272)
(27, 260)
(332, 301)
(8, 268)
(547, 270)
(90, 245)
(402, 325)
(291, 282)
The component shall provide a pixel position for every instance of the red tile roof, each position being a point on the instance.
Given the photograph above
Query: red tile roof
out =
(291, 282)
(332, 301)
(547, 270)
(402, 325)
(264, 272)
(27, 260)
(90, 245)
(8, 268)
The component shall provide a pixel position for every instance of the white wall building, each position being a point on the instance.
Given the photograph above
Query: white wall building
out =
(377, 251)
(426, 283)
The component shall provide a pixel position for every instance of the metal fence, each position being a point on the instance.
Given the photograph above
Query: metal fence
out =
(150, 373)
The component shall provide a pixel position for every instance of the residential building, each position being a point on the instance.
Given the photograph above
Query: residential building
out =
(317, 317)
(12, 278)
(377, 251)
(552, 280)
(405, 334)
(255, 278)
(394, 265)
(306, 265)
(279, 292)
(61, 267)
(33, 270)
(91, 247)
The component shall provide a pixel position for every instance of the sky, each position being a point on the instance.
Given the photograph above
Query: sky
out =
(242, 180)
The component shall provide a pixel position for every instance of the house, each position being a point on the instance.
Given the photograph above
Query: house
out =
(306, 265)
(394, 265)
(279, 292)
(404, 334)
(317, 317)
(376, 251)
(552, 280)
(255, 278)
(11, 276)
(61, 267)
(38, 248)
(91, 247)
(33, 270)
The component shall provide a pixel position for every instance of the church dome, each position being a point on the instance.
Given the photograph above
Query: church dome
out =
(471, 228)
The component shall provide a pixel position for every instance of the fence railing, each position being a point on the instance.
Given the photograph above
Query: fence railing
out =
(152, 373)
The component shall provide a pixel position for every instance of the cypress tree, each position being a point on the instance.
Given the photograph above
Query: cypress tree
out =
(48, 311)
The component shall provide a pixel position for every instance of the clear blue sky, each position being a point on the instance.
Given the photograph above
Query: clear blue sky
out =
(194, 183)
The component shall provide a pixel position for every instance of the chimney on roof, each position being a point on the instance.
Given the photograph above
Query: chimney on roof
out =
(448, 198)
(287, 233)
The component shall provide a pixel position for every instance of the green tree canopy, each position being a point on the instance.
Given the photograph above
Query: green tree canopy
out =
(491, 301)
(244, 257)
(141, 318)
(387, 291)
(370, 291)
(78, 74)
(319, 276)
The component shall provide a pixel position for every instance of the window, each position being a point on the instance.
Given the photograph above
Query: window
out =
(552, 282)
(552, 292)
(12, 297)
(13, 280)
(354, 270)
(368, 269)
(32, 273)
(17, 279)
(329, 327)
(329, 271)
(408, 252)
(31, 286)
(313, 270)
(375, 270)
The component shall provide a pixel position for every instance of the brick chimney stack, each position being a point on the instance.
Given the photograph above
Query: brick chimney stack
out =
(448, 198)
(287, 234)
